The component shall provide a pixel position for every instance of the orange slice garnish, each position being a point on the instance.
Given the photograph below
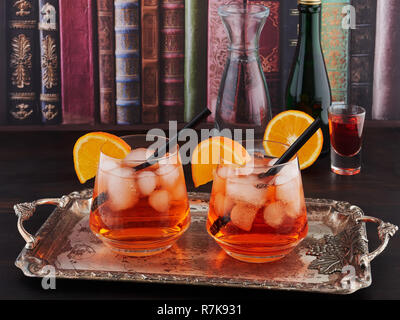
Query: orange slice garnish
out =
(286, 127)
(87, 152)
(213, 151)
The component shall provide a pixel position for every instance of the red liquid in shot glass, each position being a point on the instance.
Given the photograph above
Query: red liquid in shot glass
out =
(346, 134)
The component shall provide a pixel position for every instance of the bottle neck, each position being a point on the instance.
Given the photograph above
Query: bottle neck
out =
(310, 24)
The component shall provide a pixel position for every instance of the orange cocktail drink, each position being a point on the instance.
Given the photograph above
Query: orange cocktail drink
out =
(143, 212)
(257, 217)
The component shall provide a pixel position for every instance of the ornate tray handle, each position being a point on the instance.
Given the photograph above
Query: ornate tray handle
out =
(25, 211)
(385, 232)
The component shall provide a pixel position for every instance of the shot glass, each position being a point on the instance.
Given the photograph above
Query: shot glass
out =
(346, 126)
(140, 213)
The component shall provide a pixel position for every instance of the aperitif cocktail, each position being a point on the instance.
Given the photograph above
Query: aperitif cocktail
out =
(254, 217)
(143, 212)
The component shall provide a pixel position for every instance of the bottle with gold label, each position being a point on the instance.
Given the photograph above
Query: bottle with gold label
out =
(308, 88)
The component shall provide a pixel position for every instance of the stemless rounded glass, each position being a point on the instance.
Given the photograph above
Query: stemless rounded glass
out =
(140, 213)
(256, 217)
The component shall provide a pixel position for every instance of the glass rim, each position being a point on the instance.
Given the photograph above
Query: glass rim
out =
(294, 158)
(237, 9)
(170, 155)
(359, 111)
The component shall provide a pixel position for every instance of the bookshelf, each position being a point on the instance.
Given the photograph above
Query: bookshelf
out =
(137, 128)
(141, 128)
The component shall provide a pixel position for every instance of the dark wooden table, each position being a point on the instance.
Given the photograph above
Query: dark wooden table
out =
(36, 165)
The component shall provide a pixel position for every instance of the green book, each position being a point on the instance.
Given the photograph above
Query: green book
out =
(335, 45)
(195, 57)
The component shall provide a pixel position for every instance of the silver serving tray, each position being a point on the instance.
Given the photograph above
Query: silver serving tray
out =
(334, 258)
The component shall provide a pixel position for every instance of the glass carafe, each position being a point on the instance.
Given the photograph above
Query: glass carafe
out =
(243, 100)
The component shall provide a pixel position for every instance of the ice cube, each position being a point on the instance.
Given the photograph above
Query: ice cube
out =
(178, 193)
(248, 189)
(121, 189)
(243, 216)
(222, 205)
(172, 159)
(138, 155)
(291, 193)
(287, 173)
(146, 182)
(160, 200)
(274, 214)
(218, 184)
(224, 172)
(168, 175)
(108, 164)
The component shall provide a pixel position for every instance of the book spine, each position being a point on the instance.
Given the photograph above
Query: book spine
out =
(386, 93)
(3, 63)
(23, 60)
(289, 37)
(150, 61)
(335, 45)
(217, 52)
(77, 61)
(127, 61)
(269, 51)
(49, 42)
(195, 57)
(172, 59)
(106, 42)
(362, 54)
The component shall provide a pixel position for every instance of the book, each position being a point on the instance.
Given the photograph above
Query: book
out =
(77, 61)
(386, 93)
(335, 45)
(195, 57)
(362, 52)
(217, 52)
(23, 61)
(127, 61)
(172, 59)
(49, 43)
(106, 60)
(269, 51)
(3, 63)
(150, 61)
(289, 27)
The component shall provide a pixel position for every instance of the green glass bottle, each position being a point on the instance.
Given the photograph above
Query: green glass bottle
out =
(308, 87)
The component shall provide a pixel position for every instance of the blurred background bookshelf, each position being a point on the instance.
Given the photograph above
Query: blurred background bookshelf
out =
(48, 83)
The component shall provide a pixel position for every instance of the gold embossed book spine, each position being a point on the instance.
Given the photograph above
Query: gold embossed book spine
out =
(150, 61)
(172, 59)
(3, 63)
(106, 45)
(49, 42)
(22, 61)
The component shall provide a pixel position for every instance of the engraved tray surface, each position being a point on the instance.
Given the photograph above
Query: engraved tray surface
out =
(334, 257)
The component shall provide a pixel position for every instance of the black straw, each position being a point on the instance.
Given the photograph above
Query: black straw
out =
(294, 148)
(161, 151)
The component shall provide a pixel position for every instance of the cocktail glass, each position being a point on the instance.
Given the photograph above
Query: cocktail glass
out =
(346, 126)
(140, 213)
(258, 218)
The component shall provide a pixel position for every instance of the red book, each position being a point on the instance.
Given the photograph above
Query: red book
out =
(172, 59)
(77, 66)
(270, 52)
(150, 61)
